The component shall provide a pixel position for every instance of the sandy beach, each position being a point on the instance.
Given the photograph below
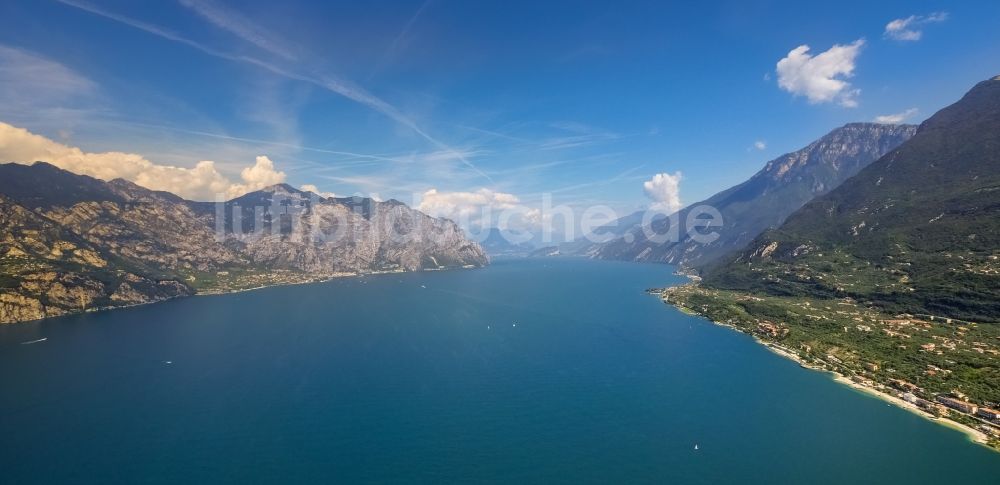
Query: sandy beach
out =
(973, 434)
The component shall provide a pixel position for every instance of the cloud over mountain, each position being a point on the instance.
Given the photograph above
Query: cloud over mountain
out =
(316, 190)
(664, 190)
(202, 182)
(896, 118)
(466, 206)
(821, 78)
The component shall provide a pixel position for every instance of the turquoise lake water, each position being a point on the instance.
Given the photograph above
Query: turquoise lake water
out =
(554, 370)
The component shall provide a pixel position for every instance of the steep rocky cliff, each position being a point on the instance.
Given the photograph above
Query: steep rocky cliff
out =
(283, 227)
(48, 270)
(766, 199)
(71, 243)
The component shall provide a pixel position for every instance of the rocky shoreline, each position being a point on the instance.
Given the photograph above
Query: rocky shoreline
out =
(214, 292)
(94, 244)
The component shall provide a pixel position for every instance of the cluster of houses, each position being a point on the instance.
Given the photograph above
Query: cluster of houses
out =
(772, 330)
(955, 400)
(989, 414)
(957, 404)
(961, 405)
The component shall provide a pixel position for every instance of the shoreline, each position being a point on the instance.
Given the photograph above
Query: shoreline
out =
(324, 279)
(973, 435)
(330, 277)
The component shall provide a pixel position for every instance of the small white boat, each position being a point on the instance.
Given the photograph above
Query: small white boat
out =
(34, 341)
(695, 447)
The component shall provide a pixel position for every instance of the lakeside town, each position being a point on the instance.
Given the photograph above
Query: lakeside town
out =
(229, 281)
(236, 280)
(923, 363)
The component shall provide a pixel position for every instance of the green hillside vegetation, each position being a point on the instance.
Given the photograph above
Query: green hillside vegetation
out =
(893, 278)
(849, 337)
(918, 231)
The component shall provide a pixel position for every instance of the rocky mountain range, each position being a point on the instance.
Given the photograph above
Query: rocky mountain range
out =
(893, 278)
(72, 243)
(765, 200)
(918, 231)
(589, 244)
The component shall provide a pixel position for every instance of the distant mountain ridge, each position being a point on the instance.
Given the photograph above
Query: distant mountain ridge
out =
(70, 242)
(496, 243)
(766, 199)
(589, 244)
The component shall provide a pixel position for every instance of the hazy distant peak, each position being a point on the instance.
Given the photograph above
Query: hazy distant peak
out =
(282, 187)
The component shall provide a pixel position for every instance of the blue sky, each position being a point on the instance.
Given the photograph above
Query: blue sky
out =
(583, 100)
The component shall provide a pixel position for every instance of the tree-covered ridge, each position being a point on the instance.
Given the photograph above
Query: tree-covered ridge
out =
(918, 231)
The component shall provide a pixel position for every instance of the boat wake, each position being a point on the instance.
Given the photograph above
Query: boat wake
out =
(34, 341)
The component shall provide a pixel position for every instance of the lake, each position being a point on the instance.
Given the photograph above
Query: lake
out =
(537, 370)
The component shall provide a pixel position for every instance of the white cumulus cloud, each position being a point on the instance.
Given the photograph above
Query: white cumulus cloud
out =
(664, 190)
(760, 145)
(821, 78)
(202, 182)
(261, 174)
(480, 209)
(314, 189)
(465, 206)
(910, 29)
(895, 119)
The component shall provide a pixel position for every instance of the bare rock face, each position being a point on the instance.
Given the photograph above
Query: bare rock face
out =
(148, 227)
(290, 229)
(764, 201)
(18, 308)
(71, 243)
